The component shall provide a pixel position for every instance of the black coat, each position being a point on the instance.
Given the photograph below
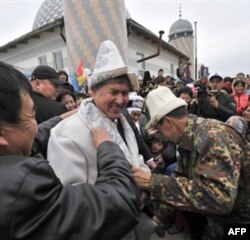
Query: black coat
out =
(226, 109)
(34, 205)
(142, 146)
(46, 108)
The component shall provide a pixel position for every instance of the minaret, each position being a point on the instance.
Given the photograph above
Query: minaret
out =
(181, 37)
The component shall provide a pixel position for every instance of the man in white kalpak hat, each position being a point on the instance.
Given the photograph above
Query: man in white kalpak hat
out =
(110, 83)
(212, 174)
(134, 108)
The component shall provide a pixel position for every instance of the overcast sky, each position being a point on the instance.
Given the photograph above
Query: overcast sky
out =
(223, 27)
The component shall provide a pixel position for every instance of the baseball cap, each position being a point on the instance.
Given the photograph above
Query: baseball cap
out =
(46, 72)
(216, 75)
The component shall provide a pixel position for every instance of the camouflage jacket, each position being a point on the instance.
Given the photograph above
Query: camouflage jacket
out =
(209, 177)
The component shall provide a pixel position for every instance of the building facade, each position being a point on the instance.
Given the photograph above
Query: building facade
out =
(46, 44)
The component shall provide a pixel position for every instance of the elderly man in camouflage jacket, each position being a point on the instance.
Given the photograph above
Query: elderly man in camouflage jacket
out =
(213, 174)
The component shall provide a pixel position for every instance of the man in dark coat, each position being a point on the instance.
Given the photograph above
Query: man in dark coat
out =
(34, 204)
(46, 84)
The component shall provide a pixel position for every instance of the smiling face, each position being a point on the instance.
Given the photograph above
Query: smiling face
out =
(17, 139)
(239, 88)
(69, 101)
(112, 98)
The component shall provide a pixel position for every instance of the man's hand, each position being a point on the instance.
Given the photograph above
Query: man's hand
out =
(142, 178)
(213, 101)
(99, 135)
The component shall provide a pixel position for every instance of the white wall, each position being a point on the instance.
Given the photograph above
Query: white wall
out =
(25, 56)
(164, 60)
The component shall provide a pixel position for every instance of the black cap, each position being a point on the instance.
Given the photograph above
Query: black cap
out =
(46, 72)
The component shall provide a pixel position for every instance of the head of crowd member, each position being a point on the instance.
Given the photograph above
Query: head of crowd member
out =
(181, 64)
(63, 75)
(80, 96)
(110, 82)
(146, 78)
(168, 113)
(17, 112)
(247, 80)
(246, 113)
(67, 98)
(164, 82)
(167, 82)
(215, 82)
(239, 86)
(135, 106)
(160, 72)
(241, 123)
(203, 80)
(45, 81)
(179, 85)
(227, 85)
(158, 143)
(240, 76)
(186, 94)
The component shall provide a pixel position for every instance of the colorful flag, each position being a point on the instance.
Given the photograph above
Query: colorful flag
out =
(81, 78)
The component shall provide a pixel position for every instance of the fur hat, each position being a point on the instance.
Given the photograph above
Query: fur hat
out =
(160, 102)
(109, 64)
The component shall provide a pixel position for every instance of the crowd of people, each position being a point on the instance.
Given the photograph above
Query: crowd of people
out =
(122, 160)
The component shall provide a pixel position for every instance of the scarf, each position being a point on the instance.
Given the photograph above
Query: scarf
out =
(96, 118)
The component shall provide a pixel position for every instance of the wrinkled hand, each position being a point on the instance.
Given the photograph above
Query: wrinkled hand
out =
(99, 135)
(213, 101)
(142, 178)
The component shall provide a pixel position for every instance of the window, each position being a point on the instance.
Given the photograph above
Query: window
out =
(57, 60)
(42, 60)
(172, 69)
(141, 65)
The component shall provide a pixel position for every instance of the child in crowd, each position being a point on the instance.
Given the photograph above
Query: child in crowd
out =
(68, 98)
(80, 96)
(240, 96)
(164, 153)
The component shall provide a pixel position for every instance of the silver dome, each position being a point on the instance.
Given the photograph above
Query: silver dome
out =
(49, 11)
(181, 26)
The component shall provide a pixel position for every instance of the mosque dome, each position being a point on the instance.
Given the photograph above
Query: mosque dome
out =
(49, 11)
(181, 27)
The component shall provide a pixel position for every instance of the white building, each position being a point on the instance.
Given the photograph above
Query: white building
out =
(46, 45)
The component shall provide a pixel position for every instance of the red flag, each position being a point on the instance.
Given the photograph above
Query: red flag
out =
(79, 71)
